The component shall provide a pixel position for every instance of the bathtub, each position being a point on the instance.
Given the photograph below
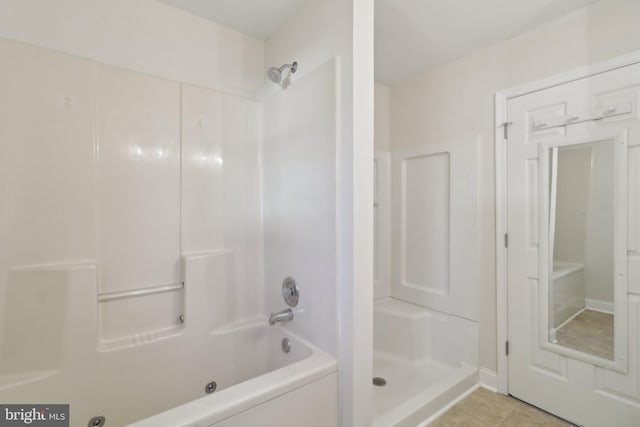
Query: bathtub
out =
(567, 291)
(259, 382)
(162, 383)
(156, 378)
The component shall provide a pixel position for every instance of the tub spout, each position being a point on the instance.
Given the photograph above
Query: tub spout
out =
(281, 316)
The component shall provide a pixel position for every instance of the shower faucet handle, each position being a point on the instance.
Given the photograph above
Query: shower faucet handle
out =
(290, 292)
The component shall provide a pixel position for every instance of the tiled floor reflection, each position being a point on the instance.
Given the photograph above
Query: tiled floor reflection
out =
(484, 408)
(590, 332)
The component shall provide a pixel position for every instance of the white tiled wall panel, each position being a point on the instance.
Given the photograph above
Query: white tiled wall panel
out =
(435, 227)
(300, 201)
(221, 209)
(46, 156)
(138, 133)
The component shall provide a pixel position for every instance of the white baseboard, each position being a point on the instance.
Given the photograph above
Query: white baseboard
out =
(597, 305)
(488, 379)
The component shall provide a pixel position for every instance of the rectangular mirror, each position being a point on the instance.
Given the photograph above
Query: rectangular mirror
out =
(583, 241)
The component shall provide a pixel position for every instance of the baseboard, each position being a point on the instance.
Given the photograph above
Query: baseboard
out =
(488, 379)
(597, 305)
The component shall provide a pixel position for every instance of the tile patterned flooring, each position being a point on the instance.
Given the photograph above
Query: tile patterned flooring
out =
(484, 408)
(591, 332)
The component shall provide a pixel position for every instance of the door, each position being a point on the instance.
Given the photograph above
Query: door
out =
(573, 213)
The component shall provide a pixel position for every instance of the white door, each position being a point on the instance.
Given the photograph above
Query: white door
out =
(570, 378)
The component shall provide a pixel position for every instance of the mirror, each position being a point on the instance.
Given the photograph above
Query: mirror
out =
(583, 243)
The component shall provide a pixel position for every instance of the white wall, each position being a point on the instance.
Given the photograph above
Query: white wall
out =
(382, 224)
(98, 171)
(141, 35)
(103, 172)
(572, 204)
(381, 117)
(435, 231)
(299, 191)
(138, 179)
(102, 194)
(317, 32)
(221, 209)
(585, 216)
(382, 193)
(599, 242)
(455, 103)
(46, 146)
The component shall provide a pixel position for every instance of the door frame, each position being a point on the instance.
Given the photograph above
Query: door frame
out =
(501, 99)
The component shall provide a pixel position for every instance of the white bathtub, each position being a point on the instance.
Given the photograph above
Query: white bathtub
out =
(567, 291)
(258, 379)
(162, 383)
(59, 356)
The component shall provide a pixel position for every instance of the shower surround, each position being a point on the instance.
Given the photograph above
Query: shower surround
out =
(141, 209)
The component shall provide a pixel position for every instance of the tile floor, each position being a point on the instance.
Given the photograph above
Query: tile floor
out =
(591, 332)
(484, 408)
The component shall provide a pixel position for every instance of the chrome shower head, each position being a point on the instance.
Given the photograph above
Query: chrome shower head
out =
(275, 74)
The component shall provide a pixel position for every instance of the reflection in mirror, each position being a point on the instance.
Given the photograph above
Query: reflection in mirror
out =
(581, 223)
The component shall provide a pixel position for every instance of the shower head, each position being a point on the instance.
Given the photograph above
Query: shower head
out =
(275, 74)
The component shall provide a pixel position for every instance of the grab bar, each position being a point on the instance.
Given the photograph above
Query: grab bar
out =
(110, 296)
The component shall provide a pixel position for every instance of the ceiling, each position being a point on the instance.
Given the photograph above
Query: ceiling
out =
(257, 18)
(418, 35)
(410, 35)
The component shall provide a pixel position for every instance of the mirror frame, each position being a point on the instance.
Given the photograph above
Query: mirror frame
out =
(619, 141)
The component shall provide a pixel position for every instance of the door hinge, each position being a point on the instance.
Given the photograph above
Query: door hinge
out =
(506, 347)
(505, 129)
(506, 240)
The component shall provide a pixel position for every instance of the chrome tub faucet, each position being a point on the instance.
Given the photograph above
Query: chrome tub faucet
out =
(281, 316)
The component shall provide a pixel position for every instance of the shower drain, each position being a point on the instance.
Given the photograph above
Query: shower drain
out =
(379, 381)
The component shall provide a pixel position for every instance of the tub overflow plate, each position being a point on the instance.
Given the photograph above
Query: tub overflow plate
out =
(286, 345)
